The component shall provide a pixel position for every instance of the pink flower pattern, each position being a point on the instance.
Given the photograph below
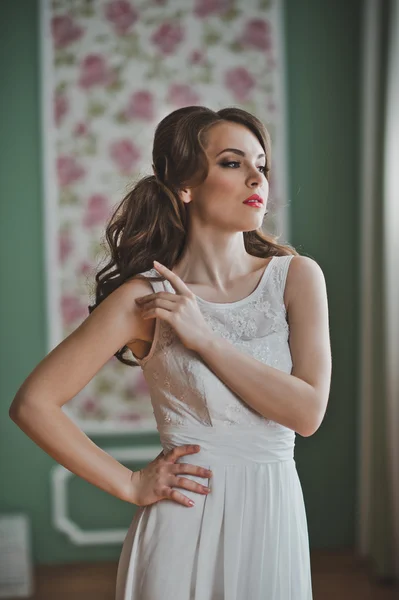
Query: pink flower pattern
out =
(102, 109)
(137, 387)
(61, 107)
(130, 417)
(167, 37)
(205, 8)
(65, 31)
(94, 71)
(68, 170)
(180, 95)
(65, 246)
(197, 57)
(72, 309)
(140, 106)
(240, 82)
(89, 405)
(121, 14)
(80, 129)
(85, 268)
(257, 34)
(97, 210)
(125, 155)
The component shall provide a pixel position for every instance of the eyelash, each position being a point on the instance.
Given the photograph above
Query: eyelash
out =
(236, 162)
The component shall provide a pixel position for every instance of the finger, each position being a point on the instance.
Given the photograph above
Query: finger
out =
(179, 451)
(180, 498)
(190, 484)
(157, 303)
(159, 313)
(177, 283)
(191, 469)
(149, 297)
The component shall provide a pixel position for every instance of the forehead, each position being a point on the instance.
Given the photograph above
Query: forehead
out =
(232, 135)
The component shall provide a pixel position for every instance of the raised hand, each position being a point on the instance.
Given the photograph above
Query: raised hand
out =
(180, 310)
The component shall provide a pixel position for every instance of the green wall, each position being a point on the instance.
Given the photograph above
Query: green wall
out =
(323, 57)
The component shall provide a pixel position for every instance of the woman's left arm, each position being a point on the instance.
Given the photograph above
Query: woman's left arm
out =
(297, 400)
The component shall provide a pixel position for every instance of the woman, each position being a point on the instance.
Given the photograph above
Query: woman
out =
(231, 332)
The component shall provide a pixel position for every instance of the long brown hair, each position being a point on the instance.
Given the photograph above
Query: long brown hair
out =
(150, 223)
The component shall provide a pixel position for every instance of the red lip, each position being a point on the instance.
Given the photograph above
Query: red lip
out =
(254, 198)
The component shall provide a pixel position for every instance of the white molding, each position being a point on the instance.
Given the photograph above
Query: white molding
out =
(49, 178)
(61, 519)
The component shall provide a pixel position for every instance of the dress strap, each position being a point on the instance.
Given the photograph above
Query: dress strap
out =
(278, 277)
(157, 286)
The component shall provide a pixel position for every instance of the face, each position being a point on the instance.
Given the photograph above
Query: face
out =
(236, 171)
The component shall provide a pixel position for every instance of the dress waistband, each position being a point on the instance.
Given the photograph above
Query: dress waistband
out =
(230, 445)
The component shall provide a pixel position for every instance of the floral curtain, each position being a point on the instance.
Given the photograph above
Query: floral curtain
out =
(111, 70)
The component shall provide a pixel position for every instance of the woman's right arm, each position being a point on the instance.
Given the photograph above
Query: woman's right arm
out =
(66, 370)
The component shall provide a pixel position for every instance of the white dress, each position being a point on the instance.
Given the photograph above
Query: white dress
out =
(248, 538)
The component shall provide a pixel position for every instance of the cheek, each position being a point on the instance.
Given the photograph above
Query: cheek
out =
(223, 180)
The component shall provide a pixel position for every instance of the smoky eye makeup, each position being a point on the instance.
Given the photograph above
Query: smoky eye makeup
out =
(225, 163)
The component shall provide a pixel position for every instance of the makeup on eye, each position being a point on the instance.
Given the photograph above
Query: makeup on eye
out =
(226, 164)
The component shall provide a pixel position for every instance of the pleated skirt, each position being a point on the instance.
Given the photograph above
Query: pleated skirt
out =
(246, 540)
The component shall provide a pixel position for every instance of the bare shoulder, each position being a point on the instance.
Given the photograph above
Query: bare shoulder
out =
(122, 299)
(304, 274)
(134, 288)
(125, 297)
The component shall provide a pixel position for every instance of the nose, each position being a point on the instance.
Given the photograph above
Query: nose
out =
(255, 178)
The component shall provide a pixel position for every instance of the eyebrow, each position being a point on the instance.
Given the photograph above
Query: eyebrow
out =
(236, 151)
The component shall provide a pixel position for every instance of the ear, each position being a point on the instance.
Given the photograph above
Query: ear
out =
(185, 195)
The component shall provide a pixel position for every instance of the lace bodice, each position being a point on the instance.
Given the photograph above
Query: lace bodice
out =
(184, 390)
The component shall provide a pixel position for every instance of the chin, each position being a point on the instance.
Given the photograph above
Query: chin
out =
(255, 224)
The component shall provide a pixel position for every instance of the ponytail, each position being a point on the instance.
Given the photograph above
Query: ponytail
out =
(151, 221)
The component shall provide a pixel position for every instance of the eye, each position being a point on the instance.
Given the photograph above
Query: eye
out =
(228, 163)
(235, 163)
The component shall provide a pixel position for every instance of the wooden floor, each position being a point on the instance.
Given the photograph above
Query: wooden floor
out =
(335, 576)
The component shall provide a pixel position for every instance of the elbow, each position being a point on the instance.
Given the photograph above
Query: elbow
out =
(310, 426)
(311, 421)
(15, 412)
(308, 431)
(17, 409)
